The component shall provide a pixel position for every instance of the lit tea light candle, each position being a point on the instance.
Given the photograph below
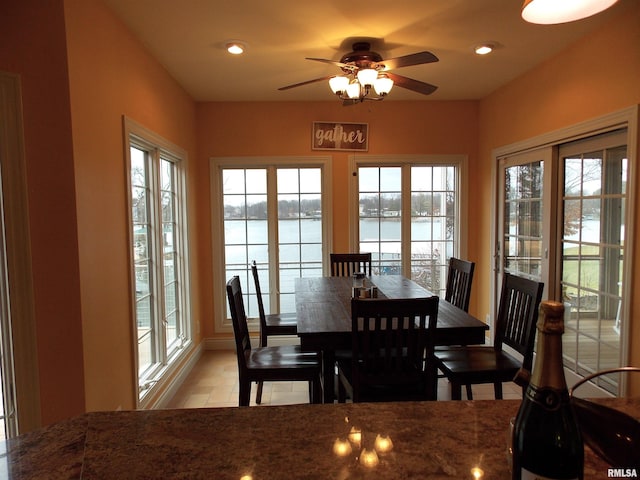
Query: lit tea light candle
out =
(369, 458)
(355, 436)
(341, 448)
(383, 444)
(477, 473)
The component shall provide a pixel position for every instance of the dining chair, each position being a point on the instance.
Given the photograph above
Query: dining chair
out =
(271, 324)
(459, 278)
(278, 363)
(458, 291)
(346, 264)
(515, 327)
(389, 337)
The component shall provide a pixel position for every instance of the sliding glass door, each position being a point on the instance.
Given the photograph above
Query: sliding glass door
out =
(562, 214)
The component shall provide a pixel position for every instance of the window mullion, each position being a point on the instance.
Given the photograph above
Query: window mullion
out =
(273, 238)
(158, 271)
(405, 219)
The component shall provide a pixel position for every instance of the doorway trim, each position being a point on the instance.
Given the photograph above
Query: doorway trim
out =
(21, 309)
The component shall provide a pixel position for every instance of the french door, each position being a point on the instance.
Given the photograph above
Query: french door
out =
(275, 211)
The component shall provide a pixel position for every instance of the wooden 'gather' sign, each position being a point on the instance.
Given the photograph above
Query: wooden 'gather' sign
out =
(340, 136)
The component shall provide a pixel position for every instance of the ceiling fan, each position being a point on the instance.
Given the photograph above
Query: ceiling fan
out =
(364, 71)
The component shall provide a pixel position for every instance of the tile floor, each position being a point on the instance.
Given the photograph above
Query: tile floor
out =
(213, 382)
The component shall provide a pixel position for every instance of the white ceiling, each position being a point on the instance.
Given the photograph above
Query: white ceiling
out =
(188, 38)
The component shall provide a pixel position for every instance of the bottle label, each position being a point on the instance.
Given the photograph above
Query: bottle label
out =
(548, 398)
(527, 475)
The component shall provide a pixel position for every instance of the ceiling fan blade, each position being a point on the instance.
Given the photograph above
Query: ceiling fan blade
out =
(411, 84)
(408, 60)
(331, 62)
(306, 83)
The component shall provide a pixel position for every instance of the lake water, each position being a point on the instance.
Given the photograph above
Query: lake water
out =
(301, 239)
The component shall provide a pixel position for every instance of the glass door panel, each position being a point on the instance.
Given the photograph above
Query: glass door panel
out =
(592, 247)
(272, 215)
(299, 230)
(380, 227)
(522, 222)
(524, 206)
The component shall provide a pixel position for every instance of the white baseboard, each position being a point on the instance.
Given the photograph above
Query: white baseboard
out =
(176, 382)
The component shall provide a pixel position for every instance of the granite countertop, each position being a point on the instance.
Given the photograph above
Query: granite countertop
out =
(431, 440)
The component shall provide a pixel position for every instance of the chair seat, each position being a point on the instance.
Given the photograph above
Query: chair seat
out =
(286, 360)
(381, 388)
(281, 324)
(476, 364)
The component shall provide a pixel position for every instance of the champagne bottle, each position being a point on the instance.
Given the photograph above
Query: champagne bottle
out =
(547, 444)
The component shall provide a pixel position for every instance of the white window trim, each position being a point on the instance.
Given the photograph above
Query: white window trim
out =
(162, 375)
(625, 118)
(221, 323)
(460, 161)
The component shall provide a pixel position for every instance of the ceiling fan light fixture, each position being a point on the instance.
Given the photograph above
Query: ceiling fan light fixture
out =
(338, 84)
(363, 75)
(547, 12)
(367, 76)
(383, 85)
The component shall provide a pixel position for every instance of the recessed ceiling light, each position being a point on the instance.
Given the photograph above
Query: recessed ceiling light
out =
(484, 49)
(235, 48)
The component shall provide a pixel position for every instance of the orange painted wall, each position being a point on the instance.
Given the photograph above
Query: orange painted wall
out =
(112, 75)
(32, 44)
(597, 75)
(272, 129)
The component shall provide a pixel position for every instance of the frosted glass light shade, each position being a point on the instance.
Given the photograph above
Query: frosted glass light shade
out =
(367, 76)
(353, 90)
(338, 84)
(383, 85)
(554, 11)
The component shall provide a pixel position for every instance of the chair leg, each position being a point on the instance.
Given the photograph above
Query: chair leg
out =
(245, 393)
(259, 393)
(315, 391)
(342, 394)
(263, 343)
(456, 391)
(469, 391)
(497, 389)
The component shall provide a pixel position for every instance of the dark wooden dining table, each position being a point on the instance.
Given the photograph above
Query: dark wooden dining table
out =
(323, 309)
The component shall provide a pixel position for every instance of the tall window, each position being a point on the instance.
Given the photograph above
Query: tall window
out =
(409, 216)
(273, 212)
(158, 234)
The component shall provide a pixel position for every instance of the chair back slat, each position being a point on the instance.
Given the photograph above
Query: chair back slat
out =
(346, 264)
(517, 314)
(256, 281)
(239, 319)
(389, 340)
(459, 279)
